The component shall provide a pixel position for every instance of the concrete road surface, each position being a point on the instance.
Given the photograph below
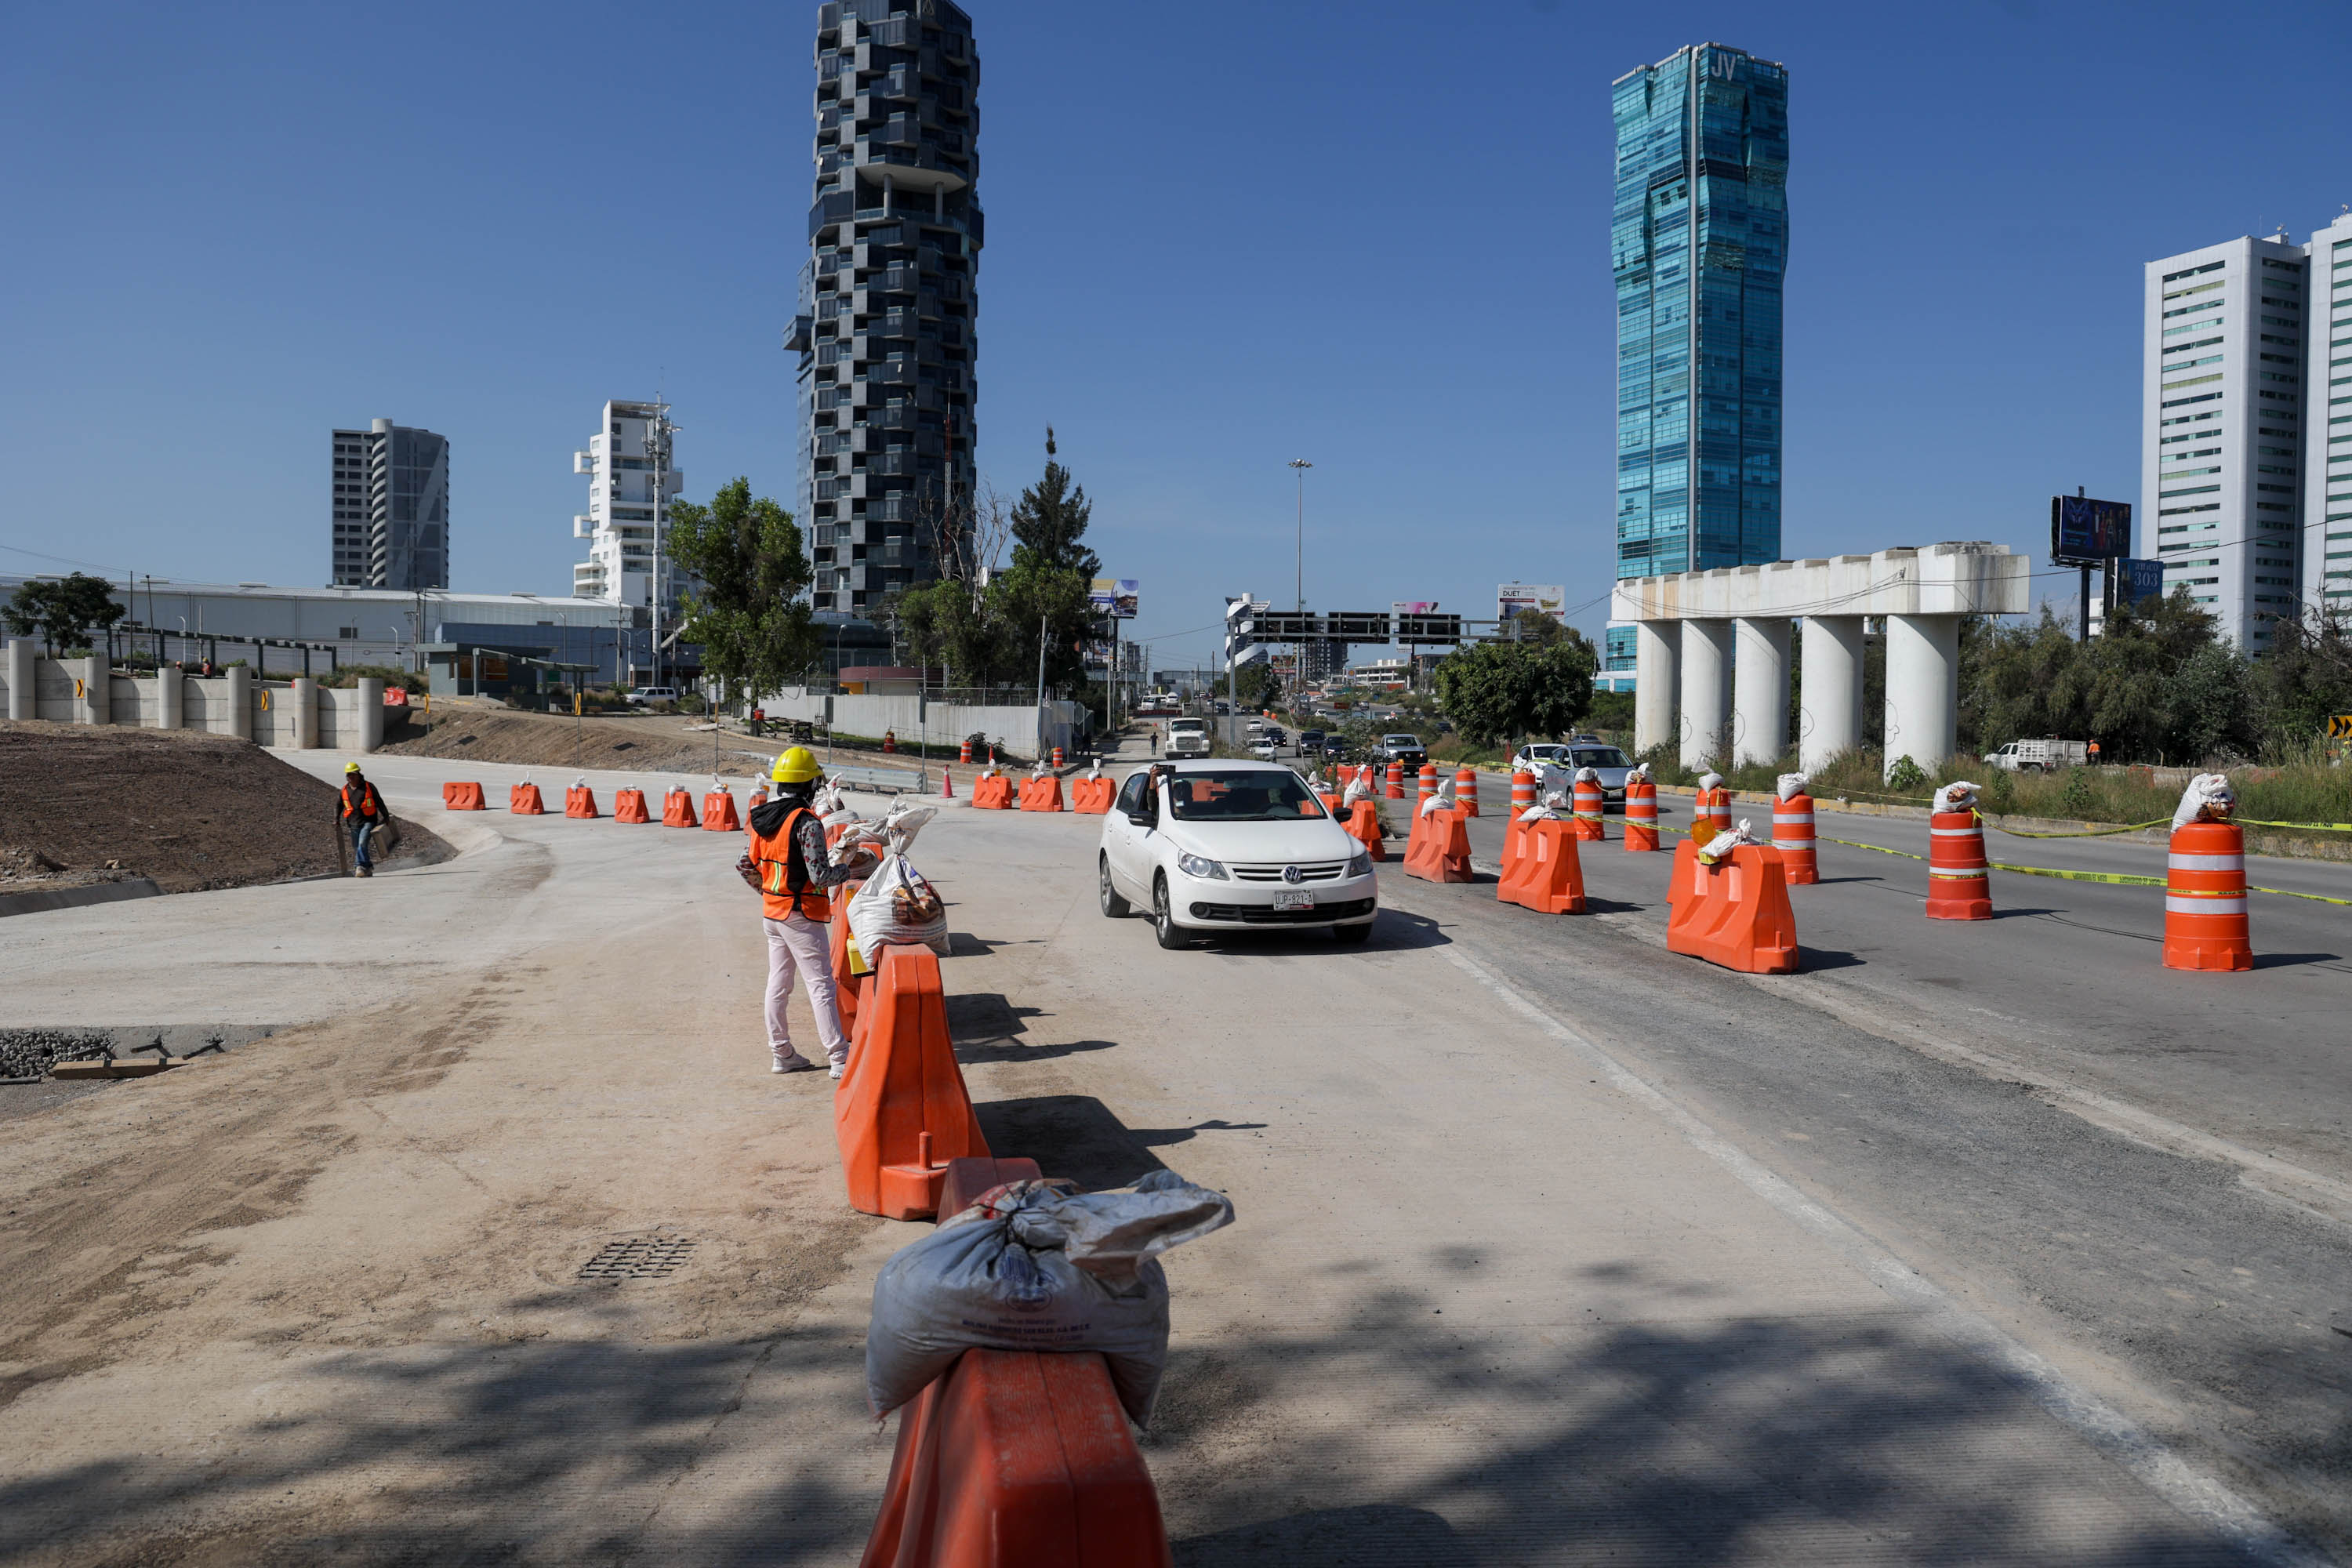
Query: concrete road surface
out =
(1551, 1249)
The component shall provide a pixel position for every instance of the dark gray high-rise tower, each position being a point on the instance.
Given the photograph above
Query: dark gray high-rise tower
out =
(887, 299)
(391, 490)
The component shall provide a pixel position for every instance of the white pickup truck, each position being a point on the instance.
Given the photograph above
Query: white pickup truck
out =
(2039, 756)
(1188, 737)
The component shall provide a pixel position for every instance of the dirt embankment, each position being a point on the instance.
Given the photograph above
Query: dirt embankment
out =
(654, 742)
(83, 804)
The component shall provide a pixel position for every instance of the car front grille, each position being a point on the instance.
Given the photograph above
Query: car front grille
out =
(1322, 872)
(1261, 915)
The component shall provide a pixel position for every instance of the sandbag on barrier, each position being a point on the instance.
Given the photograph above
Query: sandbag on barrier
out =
(629, 805)
(1735, 912)
(523, 800)
(992, 792)
(580, 801)
(1546, 875)
(463, 797)
(677, 809)
(902, 1111)
(1440, 848)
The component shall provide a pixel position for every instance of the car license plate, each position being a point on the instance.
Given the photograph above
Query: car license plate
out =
(1294, 901)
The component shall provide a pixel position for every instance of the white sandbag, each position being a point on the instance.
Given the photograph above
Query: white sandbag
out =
(903, 821)
(1542, 811)
(2208, 798)
(1790, 784)
(1094, 768)
(1958, 795)
(1039, 1266)
(1588, 776)
(826, 801)
(1641, 773)
(1724, 843)
(1710, 780)
(1357, 790)
(897, 904)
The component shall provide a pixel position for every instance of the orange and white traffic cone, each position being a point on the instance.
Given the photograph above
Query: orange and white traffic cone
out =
(1466, 790)
(1640, 812)
(1589, 804)
(1960, 882)
(2205, 920)
(1792, 831)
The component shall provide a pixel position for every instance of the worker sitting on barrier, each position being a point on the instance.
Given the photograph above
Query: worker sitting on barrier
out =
(362, 813)
(789, 863)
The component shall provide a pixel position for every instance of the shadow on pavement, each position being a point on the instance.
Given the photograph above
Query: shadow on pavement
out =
(1072, 1135)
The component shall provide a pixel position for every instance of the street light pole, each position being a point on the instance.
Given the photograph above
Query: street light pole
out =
(1298, 672)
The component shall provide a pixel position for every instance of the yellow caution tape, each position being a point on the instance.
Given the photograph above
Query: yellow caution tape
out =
(2307, 827)
(2315, 898)
(2088, 833)
(2115, 879)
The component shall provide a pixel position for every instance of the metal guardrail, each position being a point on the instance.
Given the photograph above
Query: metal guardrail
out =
(879, 781)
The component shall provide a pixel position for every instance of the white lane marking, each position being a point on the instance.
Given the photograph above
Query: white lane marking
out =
(2191, 1491)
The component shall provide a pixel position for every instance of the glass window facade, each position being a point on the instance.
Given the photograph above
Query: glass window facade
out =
(1699, 237)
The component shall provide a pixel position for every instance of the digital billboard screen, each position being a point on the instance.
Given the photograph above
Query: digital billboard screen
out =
(2083, 529)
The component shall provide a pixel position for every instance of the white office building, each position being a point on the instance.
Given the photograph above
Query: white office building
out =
(627, 510)
(2326, 573)
(2225, 401)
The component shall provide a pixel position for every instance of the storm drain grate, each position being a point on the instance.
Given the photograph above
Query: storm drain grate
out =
(638, 1258)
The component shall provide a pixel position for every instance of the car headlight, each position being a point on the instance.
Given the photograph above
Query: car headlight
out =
(1201, 866)
(1360, 864)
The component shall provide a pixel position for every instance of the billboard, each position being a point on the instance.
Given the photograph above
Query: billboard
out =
(1114, 597)
(1426, 627)
(1510, 599)
(1358, 625)
(1412, 606)
(2086, 530)
(2135, 580)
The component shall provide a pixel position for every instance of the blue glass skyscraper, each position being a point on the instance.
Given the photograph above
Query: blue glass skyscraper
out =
(1700, 239)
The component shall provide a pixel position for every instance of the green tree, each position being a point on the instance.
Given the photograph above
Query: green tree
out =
(753, 627)
(1535, 625)
(1496, 693)
(1049, 522)
(1043, 594)
(2304, 679)
(61, 611)
(949, 623)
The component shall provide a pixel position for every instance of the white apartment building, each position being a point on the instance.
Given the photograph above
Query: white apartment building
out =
(2224, 396)
(627, 512)
(2327, 454)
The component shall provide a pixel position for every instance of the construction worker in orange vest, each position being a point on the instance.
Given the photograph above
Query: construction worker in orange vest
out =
(363, 814)
(793, 869)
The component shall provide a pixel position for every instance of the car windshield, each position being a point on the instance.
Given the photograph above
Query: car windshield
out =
(1599, 757)
(1242, 794)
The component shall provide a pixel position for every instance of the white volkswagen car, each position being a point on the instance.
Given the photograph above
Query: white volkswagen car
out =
(1230, 845)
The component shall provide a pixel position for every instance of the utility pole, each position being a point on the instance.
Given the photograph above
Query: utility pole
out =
(658, 431)
(1041, 688)
(1298, 650)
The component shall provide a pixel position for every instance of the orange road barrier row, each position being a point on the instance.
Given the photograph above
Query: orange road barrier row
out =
(677, 810)
(1043, 792)
(523, 800)
(1792, 836)
(992, 792)
(902, 1112)
(1466, 790)
(1363, 826)
(1959, 883)
(1587, 803)
(1439, 850)
(463, 797)
(1092, 795)
(719, 812)
(1396, 780)
(629, 805)
(846, 985)
(1546, 877)
(1735, 914)
(580, 801)
(1641, 817)
(2205, 922)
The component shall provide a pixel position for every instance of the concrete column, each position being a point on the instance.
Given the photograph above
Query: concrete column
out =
(1706, 686)
(24, 668)
(371, 713)
(1759, 685)
(304, 700)
(171, 691)
(1830, 697)
(93, 700)
(1657, 653)
(1923, 688)
(241, 701)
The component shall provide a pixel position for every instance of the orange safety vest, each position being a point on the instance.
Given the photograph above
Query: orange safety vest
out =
(779, 896)
(370, 802)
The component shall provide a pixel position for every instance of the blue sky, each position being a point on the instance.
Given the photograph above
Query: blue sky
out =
(1373, 235)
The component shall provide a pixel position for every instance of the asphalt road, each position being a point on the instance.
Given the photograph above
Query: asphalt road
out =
(2143, 1175)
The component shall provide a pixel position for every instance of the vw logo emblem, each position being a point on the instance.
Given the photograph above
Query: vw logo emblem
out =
(1290, 874)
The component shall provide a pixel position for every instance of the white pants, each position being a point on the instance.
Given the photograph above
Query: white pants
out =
(796, 942)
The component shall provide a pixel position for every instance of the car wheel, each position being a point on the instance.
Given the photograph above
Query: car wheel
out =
(1113, 906)
(1351, 934)
(1173, 937)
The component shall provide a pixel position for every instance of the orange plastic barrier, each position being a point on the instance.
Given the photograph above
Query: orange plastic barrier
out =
(1587, 804)
(1959, 883)
(1711, 808)
(580, 801)
(719, 812)
(1546, 878)
(523, 801)
(759, 799)
(1330, 799)
(1018, 1460)
(1515, 835)
(992, 792)
(847, 988)
(2205, 922)
(1641, 817)
(1396, 780)
(1092, 796)
(463, 797)
(1439, 850)
(1466, 790)
(1363, 826)
(677, 810)
(1735, 912)
(902, 1112)
(1792, 836)
(629, 805)
(1043, 792)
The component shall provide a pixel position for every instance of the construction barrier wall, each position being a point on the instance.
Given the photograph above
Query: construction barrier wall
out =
(289, 713)
(918, 720)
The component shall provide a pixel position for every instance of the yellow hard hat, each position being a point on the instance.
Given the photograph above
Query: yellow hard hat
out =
(351, 767)
(796, 766)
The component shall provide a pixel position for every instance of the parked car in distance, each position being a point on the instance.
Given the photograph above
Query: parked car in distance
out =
(1608, 763)
(1188, 737)
(1207, 846)
(2039, 756)
(644, 695)
(1263, 748)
